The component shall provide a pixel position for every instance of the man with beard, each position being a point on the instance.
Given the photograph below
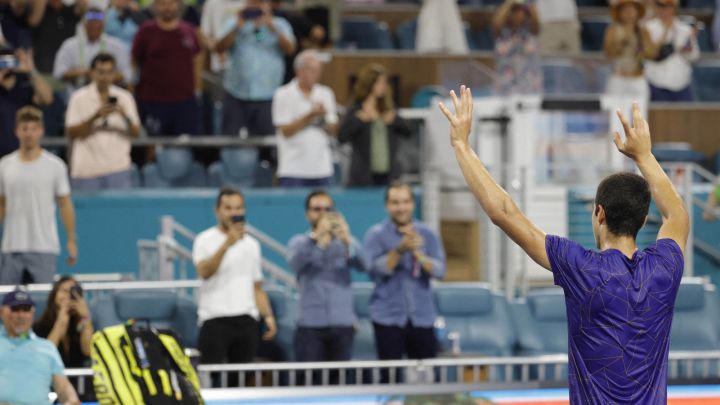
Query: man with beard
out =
(402, 256)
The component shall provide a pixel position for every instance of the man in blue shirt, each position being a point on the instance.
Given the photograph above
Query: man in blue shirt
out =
(619, 300)
(30, 365)
(257, 44)
(322, 260)
(402, 256)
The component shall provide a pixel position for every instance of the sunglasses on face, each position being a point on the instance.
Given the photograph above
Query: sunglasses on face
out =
(322, 209)
(21, 308)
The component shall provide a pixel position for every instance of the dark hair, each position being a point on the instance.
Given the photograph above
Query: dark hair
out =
(102, 57)
(48, 318)
(313, 194)
(363, 87)
(227, 191)
(625, 197)
(397, 184)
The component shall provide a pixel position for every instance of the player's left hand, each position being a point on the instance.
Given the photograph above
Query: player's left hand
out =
(461, 121)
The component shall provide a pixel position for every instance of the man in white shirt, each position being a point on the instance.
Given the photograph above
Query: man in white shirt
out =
(231, 295)
(33, 183)
(72, 62)
(670, 74)
(100, 119)
(305, 114)
(559, 27)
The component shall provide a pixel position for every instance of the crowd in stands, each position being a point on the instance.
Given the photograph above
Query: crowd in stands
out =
(178, 61)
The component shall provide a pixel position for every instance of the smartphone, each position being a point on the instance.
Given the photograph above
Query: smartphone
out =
(8, 62)
(76, 292)
(112, 100)
(251, 13)
(238, 219)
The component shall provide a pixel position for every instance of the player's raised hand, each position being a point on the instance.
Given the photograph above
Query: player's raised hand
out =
(637, 143)
(461, 121)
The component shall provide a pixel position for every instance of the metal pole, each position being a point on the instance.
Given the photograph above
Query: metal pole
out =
(688, 195)
(165, 255)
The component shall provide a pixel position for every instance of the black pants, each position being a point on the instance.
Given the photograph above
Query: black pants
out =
(228, 340)
(394, 341)
(323, 344)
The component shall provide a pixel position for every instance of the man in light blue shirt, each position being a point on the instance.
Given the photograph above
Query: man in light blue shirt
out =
(402, 256)
(257, 44)
(322, 260)
(30, 365)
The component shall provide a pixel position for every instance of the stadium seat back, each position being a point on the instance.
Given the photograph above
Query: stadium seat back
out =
(706, 81)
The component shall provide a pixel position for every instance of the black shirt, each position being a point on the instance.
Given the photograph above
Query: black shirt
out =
(72, 356)
(56, 26)
(15, 28)
(11, 101)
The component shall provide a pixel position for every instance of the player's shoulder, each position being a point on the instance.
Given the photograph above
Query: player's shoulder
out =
(663, 247)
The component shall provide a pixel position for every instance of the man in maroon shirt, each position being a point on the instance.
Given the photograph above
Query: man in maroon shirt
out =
(166, 51)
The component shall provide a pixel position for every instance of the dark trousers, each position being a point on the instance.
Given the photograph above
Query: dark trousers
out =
(660, 94)
(231, 340)
(323, 344)
(170, 118)
(255, 116)
(394, 341)
(300, 182)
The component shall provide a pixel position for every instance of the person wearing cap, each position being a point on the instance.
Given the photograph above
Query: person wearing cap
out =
(517, 51)
(72, 63)
(669, 72)
(30, 365)
(627, 44)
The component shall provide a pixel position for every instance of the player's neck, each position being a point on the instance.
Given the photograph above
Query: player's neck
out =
(625, 244)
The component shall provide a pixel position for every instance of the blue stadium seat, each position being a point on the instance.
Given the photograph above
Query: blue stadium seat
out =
(485, 39)
(236, 167)
(405, 34)
(704, 39)
(695, 325)
(365, 33)
(364, 342)
(174, 167)
(164, 310)
(700, 4)
(562, 77)
(481, 317)
(284, 309)
(706, 81)
(541, 323)
(135, 178)
(424, 95)
(593, 34)
(676, 152)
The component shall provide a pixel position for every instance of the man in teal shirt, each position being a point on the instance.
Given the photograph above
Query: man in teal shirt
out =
(30, 365)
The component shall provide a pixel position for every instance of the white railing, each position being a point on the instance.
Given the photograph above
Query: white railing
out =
(461, 372)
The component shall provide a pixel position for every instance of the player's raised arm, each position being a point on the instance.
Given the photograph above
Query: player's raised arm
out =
(637, 146)
(498, 205)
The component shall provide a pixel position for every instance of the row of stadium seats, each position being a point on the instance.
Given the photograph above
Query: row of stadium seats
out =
(487, 323)
(363, 32)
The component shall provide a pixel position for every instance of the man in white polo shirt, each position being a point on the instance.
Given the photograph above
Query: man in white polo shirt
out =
(305, 114)
(231, 296)
(100, 119)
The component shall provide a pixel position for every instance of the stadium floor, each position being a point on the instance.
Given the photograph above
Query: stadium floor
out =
(677, 395)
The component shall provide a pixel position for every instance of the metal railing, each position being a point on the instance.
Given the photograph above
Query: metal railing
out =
(167, 259)
(463, 373)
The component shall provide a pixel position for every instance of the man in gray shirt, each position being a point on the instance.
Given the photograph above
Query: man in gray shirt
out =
(322, 260)
(32, 182)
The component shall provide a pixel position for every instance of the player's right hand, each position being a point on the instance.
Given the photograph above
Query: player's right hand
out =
(461, 121)
(637, 144)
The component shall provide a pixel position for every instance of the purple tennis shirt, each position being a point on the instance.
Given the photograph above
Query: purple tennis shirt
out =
(619, 315)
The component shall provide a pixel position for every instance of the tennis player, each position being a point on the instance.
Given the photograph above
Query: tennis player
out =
(619, 299)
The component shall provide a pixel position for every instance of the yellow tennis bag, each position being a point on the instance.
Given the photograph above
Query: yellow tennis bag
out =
(136, 366)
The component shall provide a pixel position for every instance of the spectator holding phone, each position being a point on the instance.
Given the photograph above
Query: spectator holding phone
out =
(20, 85)
(670, 71)
(322, 260)
(232, 300)
(256, 43)
(66, 322)
(100, 120)
(304, 112)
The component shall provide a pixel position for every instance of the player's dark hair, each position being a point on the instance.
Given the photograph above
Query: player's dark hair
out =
(625, 197)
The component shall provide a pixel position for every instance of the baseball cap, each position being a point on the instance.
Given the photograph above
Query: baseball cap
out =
(17, 298)
(94, 15)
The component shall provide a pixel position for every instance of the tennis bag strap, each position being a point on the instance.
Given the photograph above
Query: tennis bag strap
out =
(138, 366)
